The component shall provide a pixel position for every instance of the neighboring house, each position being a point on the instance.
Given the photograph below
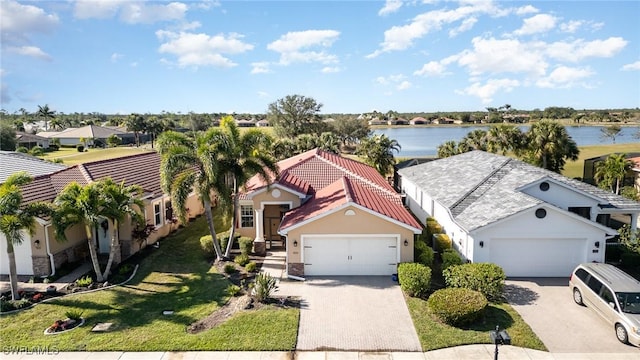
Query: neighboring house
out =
(419, 121)
(530, 221)
(12, 162)
(91, 134)
(632, 177)
(262, 123)
(41, 254)
(30, 140)
(635, 170)
(335, 215)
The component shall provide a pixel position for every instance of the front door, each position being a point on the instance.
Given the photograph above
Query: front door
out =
(104, 237)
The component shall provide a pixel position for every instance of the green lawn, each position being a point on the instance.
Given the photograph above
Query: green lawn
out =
(435, 335)
(71, 156)
(575, 168)
(175, 277)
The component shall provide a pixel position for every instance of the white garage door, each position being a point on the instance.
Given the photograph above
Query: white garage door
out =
(24, 262)
(344, 255)
(538, 257)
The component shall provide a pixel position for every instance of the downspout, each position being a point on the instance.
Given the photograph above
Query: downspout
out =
(46, 241)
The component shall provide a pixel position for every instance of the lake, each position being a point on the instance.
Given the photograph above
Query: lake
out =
(424, 141)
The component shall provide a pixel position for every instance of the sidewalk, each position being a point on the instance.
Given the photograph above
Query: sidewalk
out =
(61, 283)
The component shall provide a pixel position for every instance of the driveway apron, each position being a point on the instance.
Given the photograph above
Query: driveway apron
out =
(357, 313)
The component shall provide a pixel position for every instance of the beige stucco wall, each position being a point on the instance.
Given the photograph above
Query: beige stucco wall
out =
(361, 223)
(267, 198)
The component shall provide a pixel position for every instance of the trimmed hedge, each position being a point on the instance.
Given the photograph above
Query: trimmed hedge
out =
(242, 259)
(414, 278)
(223, 238)
(433, 228)
(486, 278)
(457, 306)
(206, 244)
(450, 257)
(442, 242)
(422, 253)
(246, 245)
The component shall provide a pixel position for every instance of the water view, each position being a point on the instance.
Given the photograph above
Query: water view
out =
(424, 141)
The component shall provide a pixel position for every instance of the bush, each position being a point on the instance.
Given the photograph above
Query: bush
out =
(36, 150)
(486, 278)
(74, 314)
(206, 244)
(442, 242)
(246, 245)
(10, 305)
(457, 306)
(84, 281)
(233, 290)
(414, 279)
(229, 268)
(251, 266)
(450, 257)
(22, 149)
(242, 259)
(80, 148)
(422, 253)
(223, 238)
(265, 284)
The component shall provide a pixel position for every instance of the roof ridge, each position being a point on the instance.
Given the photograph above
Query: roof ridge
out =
(348, 192)
(85, 173)
(482, 183)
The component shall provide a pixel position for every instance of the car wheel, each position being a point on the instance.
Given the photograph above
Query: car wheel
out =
(621, 334)
(577, 297)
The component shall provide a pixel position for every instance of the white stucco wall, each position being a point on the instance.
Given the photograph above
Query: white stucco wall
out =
(562, 197)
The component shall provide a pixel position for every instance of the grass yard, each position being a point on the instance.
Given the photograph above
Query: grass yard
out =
(574, 169)
(71, 156)
(175, 277)
(435, 335)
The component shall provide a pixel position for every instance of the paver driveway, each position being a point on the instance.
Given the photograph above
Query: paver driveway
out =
(365, 313)
(546, 304)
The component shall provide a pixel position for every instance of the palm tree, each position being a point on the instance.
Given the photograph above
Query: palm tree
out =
(476, 140)
(378, 152)
(504, 138)
(240, 156)
(16, 217)
(549, 146)
(610, 173)
(46, 114)
(447, 149)
(80, 205)
(190, 164)
(121, 202)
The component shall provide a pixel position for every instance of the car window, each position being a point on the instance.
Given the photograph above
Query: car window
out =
(629, 302)
(582, 274)
(607, 296)
(594, 284)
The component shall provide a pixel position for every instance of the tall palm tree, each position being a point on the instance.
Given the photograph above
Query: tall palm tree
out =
(190, 164)
(610, 173)
(80, 205)
(16, 217)
(45, 114)
(476, 140)
(378, 152)
(121, 202)
(241, 156)
(504, 138)
(447, 149)
(549, 146)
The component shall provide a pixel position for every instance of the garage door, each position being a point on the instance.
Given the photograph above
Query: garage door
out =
(538, 257)
(24, 262)
(343, 255)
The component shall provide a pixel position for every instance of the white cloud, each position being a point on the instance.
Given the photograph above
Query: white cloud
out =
(5, 98)
(571, 26)
(564, 77)
(207, 4)
(202, 49)
(32, 51)
(398, 81)
(524, 10)
(579, 50)
(132, 12)
(487, 91)
(18, 18)
(260, 68)
(466, 25)
(390, 6)
(632, 66)
(331, 69)
(115, 57)
(263, 94)
(403, 85)
(291, 46)
(432, 68)
(490, 55)
(537, 24)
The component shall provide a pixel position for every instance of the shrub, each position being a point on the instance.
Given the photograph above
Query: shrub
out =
(242, 259)
(433, 228)
(206, 244)
(251, 266)
(246, 245)
(422, 253)
(414, 279)
(10, 305)
(450, 257)
(80, 148)
(442, 242)
(84, 281)
(265, 284)
(125, 269)
(457, 306)
(486, 278)
(233, 290)
(229, 268)
(36, 150)
(223, 238)
(22, 149)
(74, 314)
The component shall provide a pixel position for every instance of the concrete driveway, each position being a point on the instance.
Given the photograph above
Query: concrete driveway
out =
(546, 304)
(358, 313)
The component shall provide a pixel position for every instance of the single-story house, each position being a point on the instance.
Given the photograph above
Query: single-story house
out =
(530, 221)
(89, 135)
(336, 216)
(41, 254)
(632, 178)
(31, 140)
(11, 162)
(419, 121)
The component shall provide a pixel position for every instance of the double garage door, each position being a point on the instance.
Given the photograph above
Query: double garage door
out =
(538, 257)
(349, 255)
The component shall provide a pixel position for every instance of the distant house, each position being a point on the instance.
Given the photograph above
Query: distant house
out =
(419, 121)
(30, 140)
(262, 123)
(530, 221)
(377, 121)
(631, 179)
(245, 123)
(93, 135)
(398, 121)
(41, 254)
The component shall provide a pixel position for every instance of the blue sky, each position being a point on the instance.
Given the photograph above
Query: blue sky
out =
(352, 56)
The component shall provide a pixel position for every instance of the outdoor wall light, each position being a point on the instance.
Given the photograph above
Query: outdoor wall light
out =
(406, 242)
(37, 244)
(295, 243)
(597, 244)
(481, 243)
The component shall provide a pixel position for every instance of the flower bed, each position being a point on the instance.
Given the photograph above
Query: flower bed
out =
(60, 326)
